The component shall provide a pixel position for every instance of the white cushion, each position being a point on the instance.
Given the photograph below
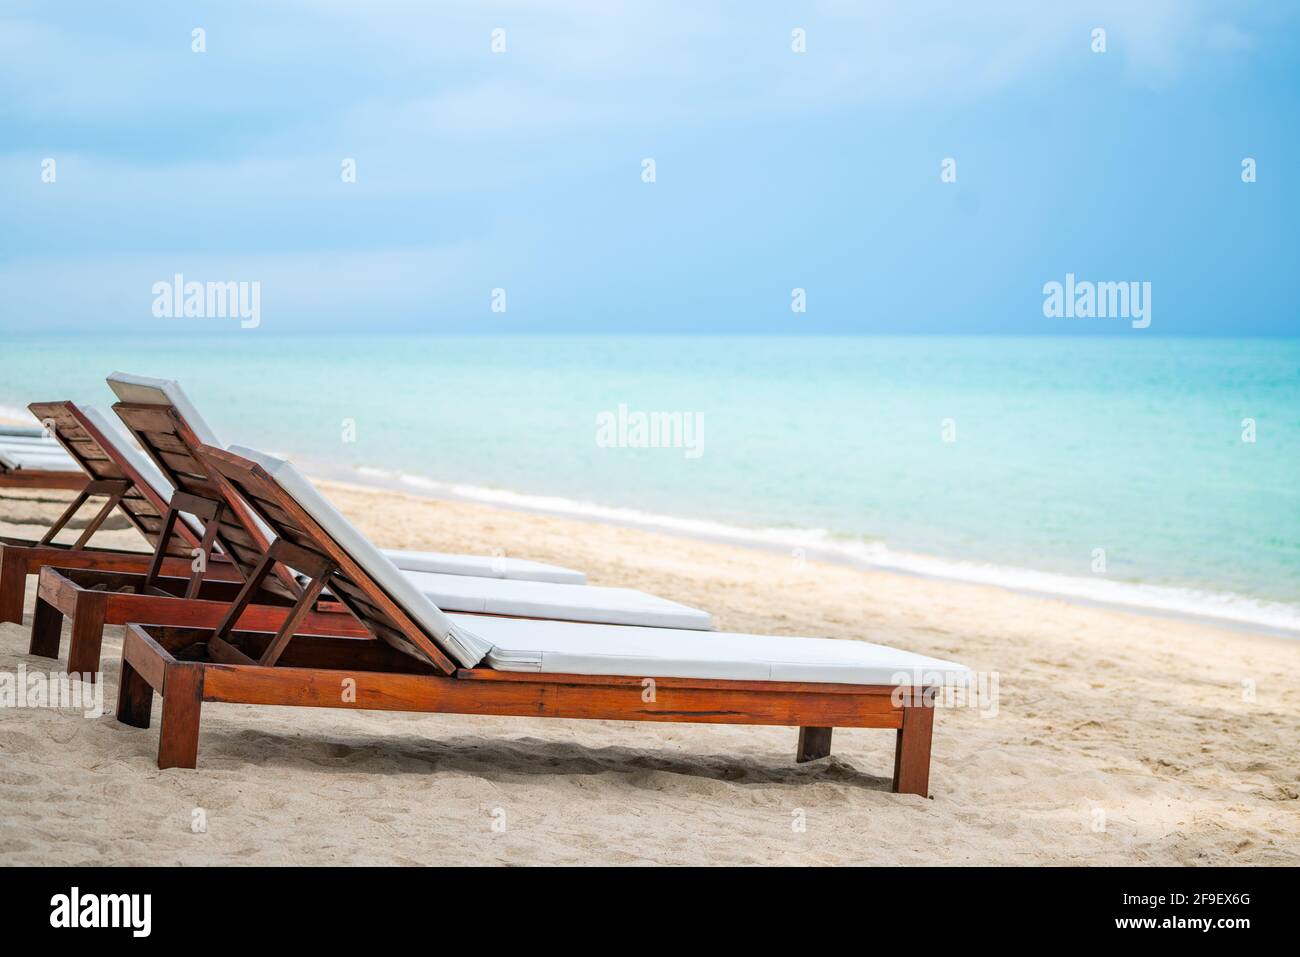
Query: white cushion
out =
(615, 606)
(484, 566)
(143, 390)
(458, 641)
(27, 442)
(551, 647)
(548, 647)
(41, 460)
(55, 452)
(37, 453)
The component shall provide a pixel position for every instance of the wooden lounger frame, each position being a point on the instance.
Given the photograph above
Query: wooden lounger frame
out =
(42, 478)
(123, 488)
(92, 599)
(116, 478)
(173, 445)
(408, 672)
(20, 558)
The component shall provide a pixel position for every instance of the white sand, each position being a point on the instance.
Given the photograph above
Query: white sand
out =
(1140, 721)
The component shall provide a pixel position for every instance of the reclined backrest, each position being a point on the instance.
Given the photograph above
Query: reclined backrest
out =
(105, 454)
(169, 428)
(372, 587)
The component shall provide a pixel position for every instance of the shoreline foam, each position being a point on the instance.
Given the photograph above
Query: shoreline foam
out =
(1223, 609)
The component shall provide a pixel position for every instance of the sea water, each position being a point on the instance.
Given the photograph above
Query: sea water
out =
(1159, 473)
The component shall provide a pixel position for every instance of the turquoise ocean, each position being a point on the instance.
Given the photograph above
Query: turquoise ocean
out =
(1111, 469)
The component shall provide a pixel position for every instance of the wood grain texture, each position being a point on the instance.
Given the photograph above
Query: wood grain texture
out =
(814, 743)
(40, 478)
(87, 632)
(134, 698)
(146, 657)
(47, 630)
(174, 447)
(20, 558)
(92, 599)
(96, 455)
(178, 733)
(547, 697)
(912, 751)
(13, 582)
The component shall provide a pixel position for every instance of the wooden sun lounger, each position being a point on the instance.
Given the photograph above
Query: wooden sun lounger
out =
(91, 600)
(19, 469)
(93, 591)
(120, 486)
(409, 671)
(155, 589)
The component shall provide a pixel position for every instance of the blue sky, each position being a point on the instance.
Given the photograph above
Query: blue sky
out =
(522, 170)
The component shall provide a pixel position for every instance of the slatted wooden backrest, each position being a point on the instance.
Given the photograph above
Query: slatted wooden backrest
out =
(168, 439)
(346, 580)
(95, 453)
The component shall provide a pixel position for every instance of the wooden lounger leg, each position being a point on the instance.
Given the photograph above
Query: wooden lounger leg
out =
(912, 751)
(87, 634)
(814, 743)
(178, 736)
(134, 698)
(13, 584)
(47, 630)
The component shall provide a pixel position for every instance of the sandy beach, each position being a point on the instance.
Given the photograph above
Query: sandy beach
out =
(1118, 739)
